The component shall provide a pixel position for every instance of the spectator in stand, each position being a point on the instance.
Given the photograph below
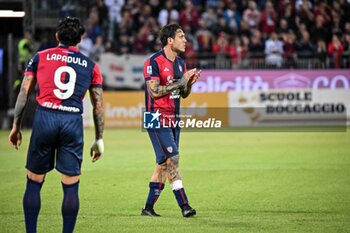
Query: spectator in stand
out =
(304, 14)
(102, 12)
(93, 28)
(189, 15)
(274, 51)
(221, 51)
(97, 49)
(290, 50)
(289, 15)
(114, 14)
(252, 15)
(145, 14)
(209, 18)
(124, 45)
(283, 28)
(126, 24)
(238, 51)
(85, 46)
(305, 47)
(323, 10)
(168, 14)
(232, 16)
(268, 19)
(321, 54)
(337, 9)
(220, 8)
(156, 6)
(347, 28)
(320, 31)
(335, 52)
(114, 10)
(222, 27)
(153, 29)
(204, 39)
(337, 24)
(140, 45)
(256, 47)
(244, 29)
(347, 48)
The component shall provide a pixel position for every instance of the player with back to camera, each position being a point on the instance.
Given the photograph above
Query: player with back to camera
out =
(167, 80)
(63, 76)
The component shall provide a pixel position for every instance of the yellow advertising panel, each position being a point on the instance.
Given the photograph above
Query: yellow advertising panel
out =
(123, 109)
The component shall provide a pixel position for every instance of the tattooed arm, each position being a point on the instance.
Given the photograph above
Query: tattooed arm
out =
(156, 90)
(27, 87)
(97, 104)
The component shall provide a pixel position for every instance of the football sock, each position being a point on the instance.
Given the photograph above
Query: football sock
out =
(181, 196)
(179, 192)
(31, 204)
(70, 206)
(155, 189)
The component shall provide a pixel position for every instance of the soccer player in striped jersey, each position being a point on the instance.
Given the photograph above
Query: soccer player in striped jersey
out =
(63, 76)
(167, 80)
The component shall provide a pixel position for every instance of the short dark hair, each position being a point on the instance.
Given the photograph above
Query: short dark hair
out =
(168, 31)
(69, 31)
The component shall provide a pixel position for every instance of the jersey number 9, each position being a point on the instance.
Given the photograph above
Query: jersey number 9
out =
(65, 90)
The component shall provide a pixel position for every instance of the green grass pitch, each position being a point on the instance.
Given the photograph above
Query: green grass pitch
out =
(238, 182)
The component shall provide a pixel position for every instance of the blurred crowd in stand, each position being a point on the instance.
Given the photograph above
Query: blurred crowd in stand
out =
(220, 33)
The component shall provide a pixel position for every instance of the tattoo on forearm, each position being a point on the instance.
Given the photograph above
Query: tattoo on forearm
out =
(98, 113)
(158, 90)
(27, 87)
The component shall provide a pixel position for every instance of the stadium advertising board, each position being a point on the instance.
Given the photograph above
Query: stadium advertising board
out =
(289, 107)
(123, 109)
(122, 72)
(244, 80)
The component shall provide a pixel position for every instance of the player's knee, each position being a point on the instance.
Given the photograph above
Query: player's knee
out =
(39, 178)
(69, 179)
(174, 161)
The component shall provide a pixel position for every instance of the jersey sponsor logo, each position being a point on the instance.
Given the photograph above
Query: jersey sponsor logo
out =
(60, 107)
(149, 69)
(166, 69)
(175, 94)
(180, 68)
(65, 58)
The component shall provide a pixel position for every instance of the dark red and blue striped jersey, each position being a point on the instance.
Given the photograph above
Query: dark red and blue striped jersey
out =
(63, 75)
(159, 67)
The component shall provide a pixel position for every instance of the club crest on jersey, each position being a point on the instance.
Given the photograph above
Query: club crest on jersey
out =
(149, 69)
